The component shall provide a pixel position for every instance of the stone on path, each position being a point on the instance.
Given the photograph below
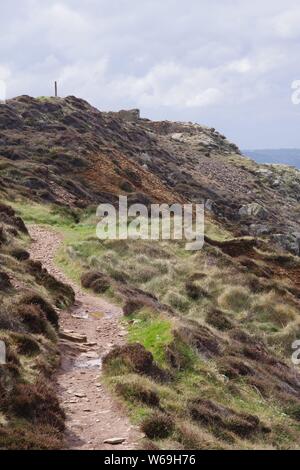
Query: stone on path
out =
(80, 395)
(114, 441)
(73, 337)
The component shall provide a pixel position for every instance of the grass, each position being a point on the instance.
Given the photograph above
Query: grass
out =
(166, 269)
(32, 418)
(167, 418)
(192, 284)
(235, 298)
(33, 213)
(153, 333)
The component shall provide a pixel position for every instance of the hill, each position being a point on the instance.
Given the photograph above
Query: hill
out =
(66, 152)
(204, 361)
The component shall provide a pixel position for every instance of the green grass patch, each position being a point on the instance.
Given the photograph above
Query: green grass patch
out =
(153, 333)
(33, 213)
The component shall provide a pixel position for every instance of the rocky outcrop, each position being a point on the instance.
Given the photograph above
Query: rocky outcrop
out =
(253, 210)
(290, 242)
(130, 115)
(64, 151)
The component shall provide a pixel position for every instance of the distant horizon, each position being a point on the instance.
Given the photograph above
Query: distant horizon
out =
(270, 148)
(284, 156)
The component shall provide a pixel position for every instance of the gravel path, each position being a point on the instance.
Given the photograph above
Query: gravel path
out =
(93, 415)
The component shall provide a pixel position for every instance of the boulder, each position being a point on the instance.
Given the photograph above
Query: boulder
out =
(209, 205)
(259, 229)
(253, 210)
(290, 242)
(130, 115)
(73, 337)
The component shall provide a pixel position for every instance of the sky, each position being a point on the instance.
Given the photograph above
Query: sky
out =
(227, 64)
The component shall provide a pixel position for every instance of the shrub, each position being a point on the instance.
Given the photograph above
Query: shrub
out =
(38, 403)
(139, 392)
(177, 301)
(218, 319)
(89, 277)
(33, 318)
(3, 238)
(161, 265)
(118, 275)
(126, 186)
(212, 414)
(4, 281)
(293, 410)
(134, 356)
(158, 425)
(268, 307)
(100, 286)
(144, 273)
(7, 210)
(26, 345)
(236, 298)
(195, 438)
(19, 254)
(30, 437)
(47, 309)
(95, 280)
(131, 307)
(8, 321)
(194, 291)
(64, 294)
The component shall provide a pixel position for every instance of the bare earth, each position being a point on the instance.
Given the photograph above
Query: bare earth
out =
(93, 415)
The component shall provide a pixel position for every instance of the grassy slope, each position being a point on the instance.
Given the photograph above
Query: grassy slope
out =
(30, 416)
(163, 269)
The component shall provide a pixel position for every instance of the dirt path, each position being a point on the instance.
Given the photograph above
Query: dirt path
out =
(93, 416)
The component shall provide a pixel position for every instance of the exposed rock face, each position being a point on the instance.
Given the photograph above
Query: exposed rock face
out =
(129, 115)
(253, 210)
(67, 152)
(290, 242)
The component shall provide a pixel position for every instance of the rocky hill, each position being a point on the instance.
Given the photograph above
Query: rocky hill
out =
(67, 152)
(205, 361)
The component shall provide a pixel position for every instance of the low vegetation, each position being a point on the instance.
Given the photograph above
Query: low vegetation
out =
(207, 364)
(204, 366)
(30, 415)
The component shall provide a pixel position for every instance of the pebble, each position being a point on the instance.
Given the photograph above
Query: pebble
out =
(114, 441)
(80, 395)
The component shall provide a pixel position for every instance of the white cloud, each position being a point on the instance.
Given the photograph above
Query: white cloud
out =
(286, 24)
(173, 61)
(171, 84)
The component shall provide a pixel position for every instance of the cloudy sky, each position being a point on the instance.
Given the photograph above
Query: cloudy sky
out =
(229, 64)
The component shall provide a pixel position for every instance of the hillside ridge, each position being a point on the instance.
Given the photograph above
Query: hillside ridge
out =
(101, 155)
(196, 346)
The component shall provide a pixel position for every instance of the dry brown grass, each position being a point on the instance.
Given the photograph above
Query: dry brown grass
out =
(158, 425)
(32, 417)
(35, 300)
